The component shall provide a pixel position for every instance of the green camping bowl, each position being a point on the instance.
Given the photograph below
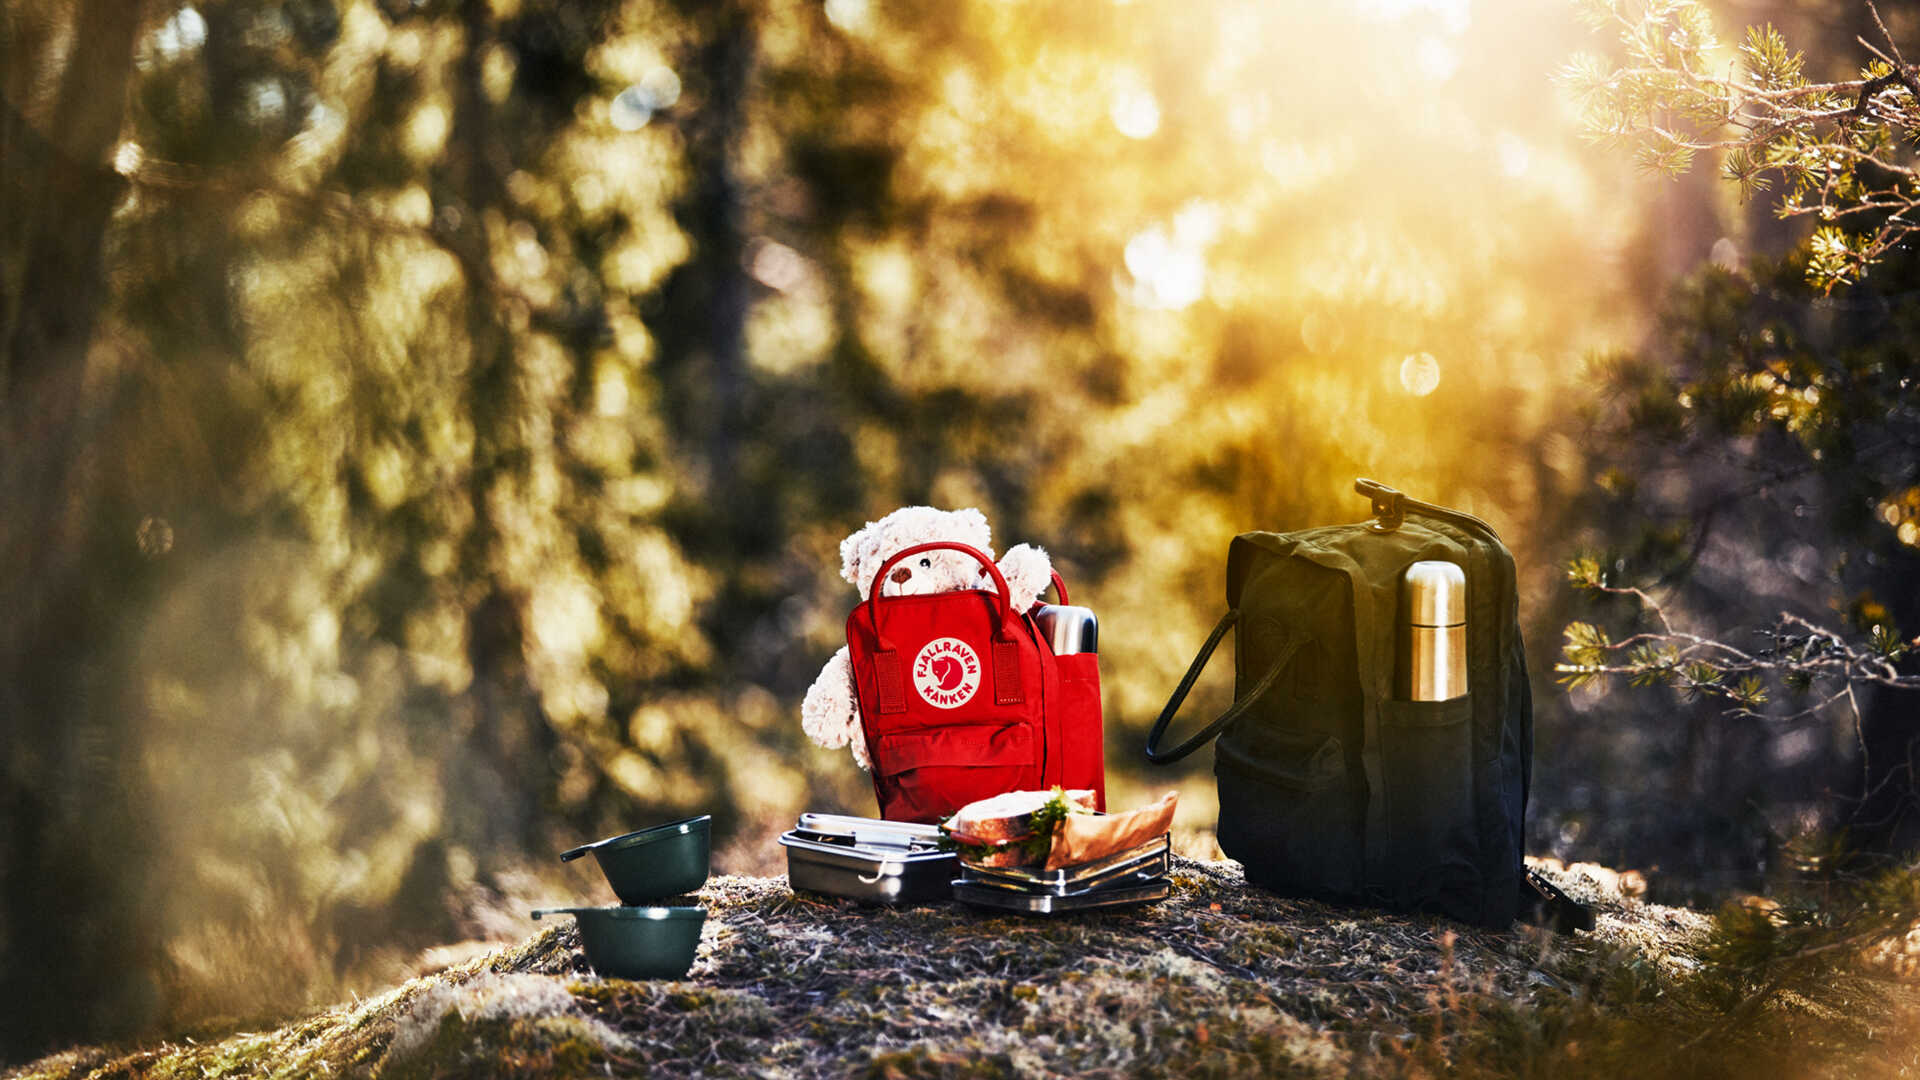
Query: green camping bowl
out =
(653, 864)
(637, 942)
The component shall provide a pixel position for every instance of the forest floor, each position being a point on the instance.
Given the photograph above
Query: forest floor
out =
(1218, 980)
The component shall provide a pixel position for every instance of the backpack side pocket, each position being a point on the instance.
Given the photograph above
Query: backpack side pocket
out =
(1289, 812)
(1084, 750)
(1426, 758)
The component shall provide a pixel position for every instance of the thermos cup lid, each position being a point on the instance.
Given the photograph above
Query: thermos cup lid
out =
(1434, 593)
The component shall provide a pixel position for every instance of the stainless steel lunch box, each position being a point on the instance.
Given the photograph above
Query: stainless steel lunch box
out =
(1133, 867)
(866, 859)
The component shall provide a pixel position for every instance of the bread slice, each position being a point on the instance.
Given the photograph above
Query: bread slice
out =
(1083, 838)
(1005, 818)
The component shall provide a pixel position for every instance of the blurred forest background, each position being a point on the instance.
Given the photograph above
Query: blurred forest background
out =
(426, 428)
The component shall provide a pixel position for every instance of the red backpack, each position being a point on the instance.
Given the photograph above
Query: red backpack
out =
(961, 699)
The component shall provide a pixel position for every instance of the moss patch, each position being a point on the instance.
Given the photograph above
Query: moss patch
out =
(1220, 980)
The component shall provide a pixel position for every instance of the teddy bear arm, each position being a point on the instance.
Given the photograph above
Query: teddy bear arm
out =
(828, 714)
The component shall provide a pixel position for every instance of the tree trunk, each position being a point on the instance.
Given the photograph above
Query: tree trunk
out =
(74, 926)
(499, 772)
(702, 330)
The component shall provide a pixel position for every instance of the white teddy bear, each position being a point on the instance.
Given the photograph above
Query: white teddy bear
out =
(829, 714)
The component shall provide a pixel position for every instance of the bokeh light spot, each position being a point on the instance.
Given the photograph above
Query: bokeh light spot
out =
(154, 536)
(630, 110)
(1454, 15)
(1436, 59)
(127, 159)
(849, 14)
(1726, 255)
(777, 266)
(427, 131)
(1322, 333)
(185, 32)
(1420, 374)
(1170, 275)
(1135, 112)
(661, 87)
(1512, 153)
(266, 101)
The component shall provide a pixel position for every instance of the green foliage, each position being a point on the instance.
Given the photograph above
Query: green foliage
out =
(1840, 149)
(1834, 257)
(1584, 654)
(1887, 642)
(1583, 572)
(1747, 170)
(1651, 664)
(1849, 925)
(1700, 674)
(1669, 159)
(1768, 60)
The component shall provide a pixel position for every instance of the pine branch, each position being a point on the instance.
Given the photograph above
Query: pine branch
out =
(1824, 140)
(1801, 652)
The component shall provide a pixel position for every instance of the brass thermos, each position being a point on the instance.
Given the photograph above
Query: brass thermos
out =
(1433, 633)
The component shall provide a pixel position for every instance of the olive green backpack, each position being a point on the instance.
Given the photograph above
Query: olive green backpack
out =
(1331, 786)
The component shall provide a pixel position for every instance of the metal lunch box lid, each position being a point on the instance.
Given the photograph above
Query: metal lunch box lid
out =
(1434, 593)
(888, 858)
(867, 832)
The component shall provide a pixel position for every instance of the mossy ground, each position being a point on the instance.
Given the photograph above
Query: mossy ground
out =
(1219, 980)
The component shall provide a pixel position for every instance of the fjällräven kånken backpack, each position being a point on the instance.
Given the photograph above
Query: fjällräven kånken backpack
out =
(962, 698)
(1333, 787)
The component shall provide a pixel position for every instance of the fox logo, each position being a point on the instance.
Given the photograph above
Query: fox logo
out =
(946, 673)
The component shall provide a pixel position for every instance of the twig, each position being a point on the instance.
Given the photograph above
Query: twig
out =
(1901, 61)
(1199, 954)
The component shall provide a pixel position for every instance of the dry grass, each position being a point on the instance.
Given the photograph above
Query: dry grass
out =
(1220, 980)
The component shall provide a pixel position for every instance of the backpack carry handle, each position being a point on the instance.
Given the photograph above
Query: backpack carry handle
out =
(1060, 588)
(1390, 508)
(891, 680)
(1000, 583)
(1206, 734)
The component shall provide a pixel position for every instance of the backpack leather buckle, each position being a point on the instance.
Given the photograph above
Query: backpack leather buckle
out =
(1389, 509)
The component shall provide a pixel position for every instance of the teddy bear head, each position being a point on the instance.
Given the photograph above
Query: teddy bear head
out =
(863, 553)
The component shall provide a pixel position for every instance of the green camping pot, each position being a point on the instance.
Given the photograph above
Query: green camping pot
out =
(653, 864)
(637, 942)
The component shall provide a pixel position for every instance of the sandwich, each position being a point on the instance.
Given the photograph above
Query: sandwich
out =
(1015, 828)
(1049, 829)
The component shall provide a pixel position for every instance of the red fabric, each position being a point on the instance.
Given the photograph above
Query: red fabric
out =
(957, 719)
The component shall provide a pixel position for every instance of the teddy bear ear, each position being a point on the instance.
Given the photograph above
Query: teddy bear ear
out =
(854, 550)
(970, 528)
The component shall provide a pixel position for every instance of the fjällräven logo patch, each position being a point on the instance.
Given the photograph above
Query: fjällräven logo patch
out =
(946, 672)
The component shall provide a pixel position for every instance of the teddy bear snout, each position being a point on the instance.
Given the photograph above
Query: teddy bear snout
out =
(901, 575)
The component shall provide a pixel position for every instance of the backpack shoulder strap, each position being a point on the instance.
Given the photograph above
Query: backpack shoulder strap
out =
(1542, 903)
(1206, 734)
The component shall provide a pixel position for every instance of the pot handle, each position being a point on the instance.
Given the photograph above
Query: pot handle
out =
(570, 855)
